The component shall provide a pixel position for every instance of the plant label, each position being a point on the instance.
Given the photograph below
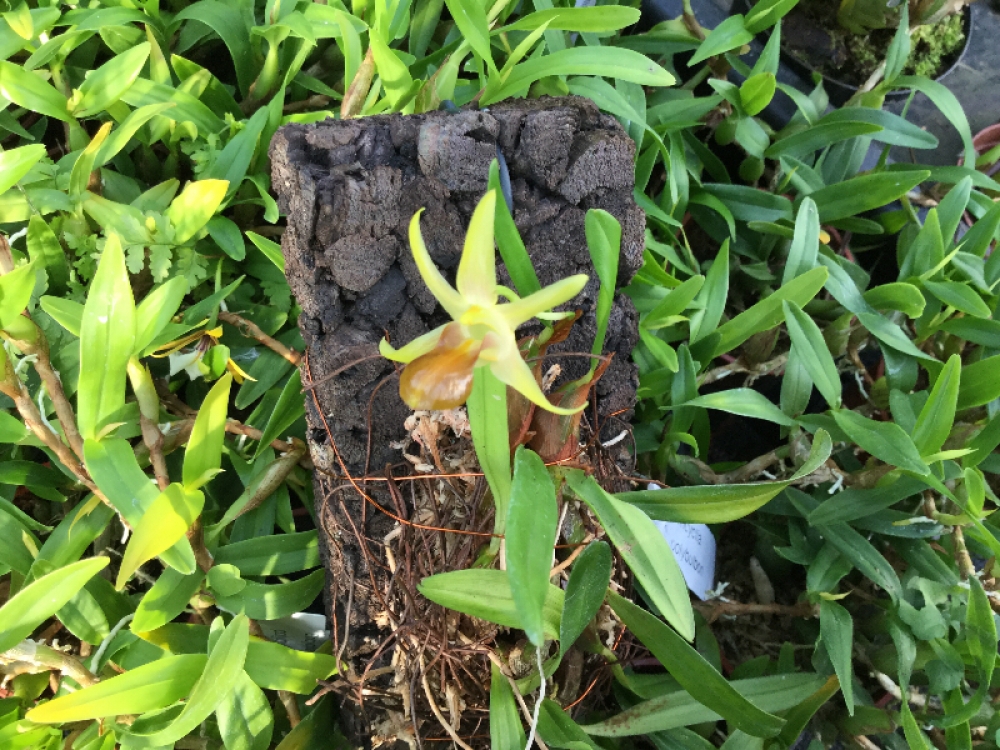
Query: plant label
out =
(693, 546)
(694, 549)
(303, 631)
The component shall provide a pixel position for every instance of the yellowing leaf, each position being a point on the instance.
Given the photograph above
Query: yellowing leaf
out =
(163, 525)
(204, 450)
(190, 211)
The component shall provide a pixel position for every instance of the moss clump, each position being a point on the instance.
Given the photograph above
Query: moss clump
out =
(935, 47)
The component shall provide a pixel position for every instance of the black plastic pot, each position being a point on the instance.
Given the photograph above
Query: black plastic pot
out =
(840, 91)
(978, 73)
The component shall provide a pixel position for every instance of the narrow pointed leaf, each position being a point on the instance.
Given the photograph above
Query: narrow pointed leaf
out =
(530, 534)
(147, 688)
(37, 602)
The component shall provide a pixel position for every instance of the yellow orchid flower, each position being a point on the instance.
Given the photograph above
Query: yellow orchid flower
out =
(439, 364)
(191, 361)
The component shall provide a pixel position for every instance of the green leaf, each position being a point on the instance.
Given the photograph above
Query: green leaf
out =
(186, 108)
(261, 601)
(506, 732)
(146, 688)
(203, 455)
(105, 86)
(154, 313)
(487, 408)
(245, 718)
(470, 18)
(16, 163)
(895, 130)
(819, 136)
(693, 672)
(805, 242)
(486, 594)
(38, 601)
(65, 312)
(915, 739)
(938, 414)
(676, 302)
(232, 162)
(167, 598)
(764, 315)
(766, 13)
(949, 106)
(813, 353)
(46, 252)
(276, 667)
(721, 503)
(728, 35)
(231, 24)
(392, 71)
(643, 548)
(113, 466)
(190, 211)
(750, 204)
(979, 383)
(981, 630)
(898, 295)
(886, 441)
(227, 235)
(272, 555)
(856, 502)
(852, 545)
(530, 534)
(756, 92)
(594, 19)
(588, 583)
(713, 296)
(509, 243)
(604, 240)
(217, 683)
(959, 296)
(270, 249)
(613, 62)
(836, 628)
(288, 408)
(743, 401)
(864, 193)
(123, 135)
(557, 729)
(107, 338)
(162, 525)
(29, 90)
(899, 50)
(15, 292)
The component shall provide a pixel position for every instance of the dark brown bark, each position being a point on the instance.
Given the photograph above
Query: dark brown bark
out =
(349, 188)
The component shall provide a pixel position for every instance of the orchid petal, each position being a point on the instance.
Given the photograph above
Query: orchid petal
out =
(543, 300)
(416, 348)
(450, 300)
(477, 273)
(511, 369)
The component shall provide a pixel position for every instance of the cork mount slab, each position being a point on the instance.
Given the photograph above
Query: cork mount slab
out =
(386, 477)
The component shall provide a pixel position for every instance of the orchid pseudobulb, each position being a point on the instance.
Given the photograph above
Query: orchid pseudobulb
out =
(439, 364)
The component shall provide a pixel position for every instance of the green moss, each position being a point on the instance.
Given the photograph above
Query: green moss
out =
(934, 45)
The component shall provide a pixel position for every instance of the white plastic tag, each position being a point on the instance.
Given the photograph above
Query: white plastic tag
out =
(303, 631)
(694, 549)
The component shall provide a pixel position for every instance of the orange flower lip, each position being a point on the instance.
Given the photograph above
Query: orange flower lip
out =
(442, 378)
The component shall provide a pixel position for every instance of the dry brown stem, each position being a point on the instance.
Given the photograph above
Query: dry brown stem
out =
(252, 330)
